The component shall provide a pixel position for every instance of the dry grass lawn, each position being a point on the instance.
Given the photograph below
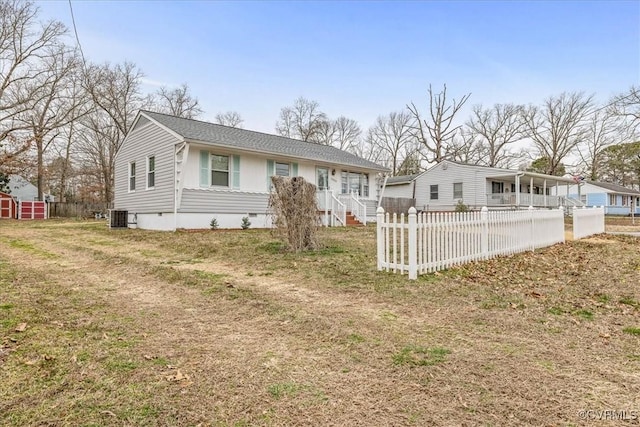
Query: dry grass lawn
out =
(222, 328)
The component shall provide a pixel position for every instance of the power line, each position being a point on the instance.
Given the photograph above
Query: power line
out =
(75, 30)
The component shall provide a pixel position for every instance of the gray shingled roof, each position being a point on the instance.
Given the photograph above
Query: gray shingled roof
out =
(401, 179)
(614, 187)
(225, 136)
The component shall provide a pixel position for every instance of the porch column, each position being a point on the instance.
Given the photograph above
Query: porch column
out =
(517, 190)
(544, 191)
(579, 191)
(531, 192)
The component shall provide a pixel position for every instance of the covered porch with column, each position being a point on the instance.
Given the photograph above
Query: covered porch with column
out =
(524, 189)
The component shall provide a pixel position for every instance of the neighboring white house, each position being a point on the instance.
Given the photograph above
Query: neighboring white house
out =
(443, 185)
(174, 173)
(21, 189)
(616, 199)
(401, 186)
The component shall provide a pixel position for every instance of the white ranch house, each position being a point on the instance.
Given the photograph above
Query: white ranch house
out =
(173, 173)
(441, 186)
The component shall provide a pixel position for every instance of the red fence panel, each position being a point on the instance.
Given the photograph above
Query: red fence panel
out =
(32, 210)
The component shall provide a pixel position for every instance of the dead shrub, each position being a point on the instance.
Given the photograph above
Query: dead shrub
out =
(294, 212)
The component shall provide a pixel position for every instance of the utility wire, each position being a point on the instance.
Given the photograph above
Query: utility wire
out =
(75, 30)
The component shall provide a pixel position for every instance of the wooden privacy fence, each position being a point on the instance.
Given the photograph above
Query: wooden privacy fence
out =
(75, 210)
(587, 221)
(428, 242)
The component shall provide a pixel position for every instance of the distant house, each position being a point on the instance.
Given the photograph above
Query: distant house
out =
(445, 184)
(400, 186)
(21, 189)
(616, 199)
(174, 173)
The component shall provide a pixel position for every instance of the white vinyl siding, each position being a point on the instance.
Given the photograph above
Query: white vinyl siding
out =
(145, 141)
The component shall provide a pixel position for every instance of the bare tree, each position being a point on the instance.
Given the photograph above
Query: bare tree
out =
(24, 43)
(604, 129)
(436, 129)
(115, 90)
(342, 133)
(230, 118)
(55, 105)
(628, 105)
(465, 148)
(303, 121)
(494, 130)
(558, 126)
(178, 102)
(392, 137)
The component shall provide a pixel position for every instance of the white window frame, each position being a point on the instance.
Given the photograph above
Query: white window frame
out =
(348, 177)
(132, 177)
(275, 168)
(461, 193)
(318, 169)
(431, 192)
(150, 172)
(212, 170)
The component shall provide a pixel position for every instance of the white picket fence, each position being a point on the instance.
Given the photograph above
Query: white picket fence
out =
(429, 242)
(587, 221)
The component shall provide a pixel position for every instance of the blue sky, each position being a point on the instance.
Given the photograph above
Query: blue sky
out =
(364, 59)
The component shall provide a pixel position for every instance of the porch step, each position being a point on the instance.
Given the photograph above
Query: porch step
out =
(352, 221)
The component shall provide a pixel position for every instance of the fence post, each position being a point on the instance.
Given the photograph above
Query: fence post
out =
(562, 222)
(413, 244)
(532, 231)
(380, 235)
(484, 239)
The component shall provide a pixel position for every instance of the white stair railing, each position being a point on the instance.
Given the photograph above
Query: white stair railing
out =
(358, 209)
(338, 211)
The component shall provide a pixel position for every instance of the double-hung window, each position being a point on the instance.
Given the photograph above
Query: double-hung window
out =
(219, 170)
(433, 192)
(276, 168)
(283, 169)
(457, 190)
(151, 171)
(132, 176)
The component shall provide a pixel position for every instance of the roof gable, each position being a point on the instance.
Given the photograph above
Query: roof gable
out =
(246, 140)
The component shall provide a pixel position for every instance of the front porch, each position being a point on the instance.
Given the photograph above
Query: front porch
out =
(524, 200)
(339, 210)
(525, 189)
